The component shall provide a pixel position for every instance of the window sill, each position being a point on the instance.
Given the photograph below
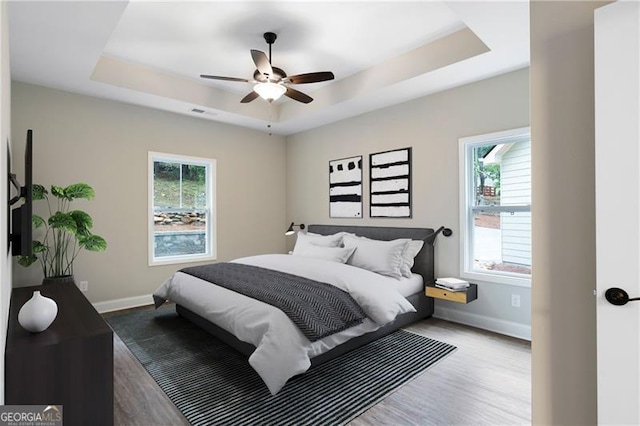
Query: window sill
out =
(480, 278)
(182, 259)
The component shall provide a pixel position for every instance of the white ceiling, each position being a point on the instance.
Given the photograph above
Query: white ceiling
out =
(151, 53)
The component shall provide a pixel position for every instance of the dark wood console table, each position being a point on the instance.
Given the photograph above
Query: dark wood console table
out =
(69, 364)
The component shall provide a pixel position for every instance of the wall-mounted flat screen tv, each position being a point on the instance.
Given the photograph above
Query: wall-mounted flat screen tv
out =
(21, 217)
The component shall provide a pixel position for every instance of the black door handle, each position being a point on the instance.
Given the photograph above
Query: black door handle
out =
(617, 296)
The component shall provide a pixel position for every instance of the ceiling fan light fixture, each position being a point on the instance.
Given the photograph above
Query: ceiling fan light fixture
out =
(269, 91)
(270, 83)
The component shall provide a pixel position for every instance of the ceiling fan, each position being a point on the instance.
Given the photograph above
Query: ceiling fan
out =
(270, 82)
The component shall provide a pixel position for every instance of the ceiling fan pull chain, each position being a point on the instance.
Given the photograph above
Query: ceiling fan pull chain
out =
(270, 118)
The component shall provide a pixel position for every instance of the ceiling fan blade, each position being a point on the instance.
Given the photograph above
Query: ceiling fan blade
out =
(297, 95)
(215, 77)
(262, 62)
(251, 96)
(312, 77)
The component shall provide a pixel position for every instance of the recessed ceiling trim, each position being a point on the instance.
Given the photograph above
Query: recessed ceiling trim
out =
(456, 47)
(148, 80)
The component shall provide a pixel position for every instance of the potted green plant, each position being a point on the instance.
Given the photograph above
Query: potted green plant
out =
(66, 231)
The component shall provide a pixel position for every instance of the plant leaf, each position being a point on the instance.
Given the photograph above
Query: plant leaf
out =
(27, 260)
(63, 221)
(38, 247)
(93, 242)
(83, 222)
(37, 221)
(79, 190)
(58, 191)
(38, 192)
(57, 250)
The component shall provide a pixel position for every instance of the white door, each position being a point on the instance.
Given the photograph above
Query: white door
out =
(617, 91)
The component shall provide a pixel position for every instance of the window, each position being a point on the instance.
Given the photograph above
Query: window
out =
(181, 209)
(495, 207)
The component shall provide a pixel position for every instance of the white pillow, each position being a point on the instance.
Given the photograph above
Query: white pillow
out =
(333, 254)
(305, 240)
(410, 252)
(383, 257)
(337, 235)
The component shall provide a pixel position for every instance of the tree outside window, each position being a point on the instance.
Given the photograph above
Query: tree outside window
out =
(181, 208)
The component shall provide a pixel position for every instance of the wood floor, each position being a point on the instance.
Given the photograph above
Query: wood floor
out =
(486, 381)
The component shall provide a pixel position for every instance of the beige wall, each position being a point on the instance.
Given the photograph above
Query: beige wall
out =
(5, 133)
(563, 153)
(432, 126)
(105, 144)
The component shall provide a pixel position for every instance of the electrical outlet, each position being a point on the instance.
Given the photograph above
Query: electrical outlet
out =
(515, 300)
(83, 285)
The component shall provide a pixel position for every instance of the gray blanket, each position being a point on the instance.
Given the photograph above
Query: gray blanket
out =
(317, 309)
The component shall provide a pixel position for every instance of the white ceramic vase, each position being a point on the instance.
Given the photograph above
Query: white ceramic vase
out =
(38, 313)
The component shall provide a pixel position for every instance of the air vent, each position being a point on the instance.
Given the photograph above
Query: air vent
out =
(202, 111)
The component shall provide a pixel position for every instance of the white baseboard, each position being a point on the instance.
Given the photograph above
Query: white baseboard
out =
(508, 328)
(126, 303)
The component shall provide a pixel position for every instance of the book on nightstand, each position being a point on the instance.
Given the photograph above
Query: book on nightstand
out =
(444, 287)
(453, 284)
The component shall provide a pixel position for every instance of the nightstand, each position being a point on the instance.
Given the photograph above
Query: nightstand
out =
(469, 295)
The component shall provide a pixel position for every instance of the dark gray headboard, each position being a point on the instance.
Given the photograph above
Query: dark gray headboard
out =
(423, 261)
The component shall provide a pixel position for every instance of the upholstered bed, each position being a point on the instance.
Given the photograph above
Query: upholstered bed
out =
(423, 265)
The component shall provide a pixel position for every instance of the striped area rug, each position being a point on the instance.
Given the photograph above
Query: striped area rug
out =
(212, 384)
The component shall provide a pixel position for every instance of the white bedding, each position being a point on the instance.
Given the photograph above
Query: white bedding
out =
(282, 351)
(408, 286)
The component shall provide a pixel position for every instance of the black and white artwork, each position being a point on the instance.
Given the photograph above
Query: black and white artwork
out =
(390, 177)
(345, 187)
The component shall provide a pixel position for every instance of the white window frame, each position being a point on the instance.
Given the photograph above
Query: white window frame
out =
(211, 249)
(467, 209)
